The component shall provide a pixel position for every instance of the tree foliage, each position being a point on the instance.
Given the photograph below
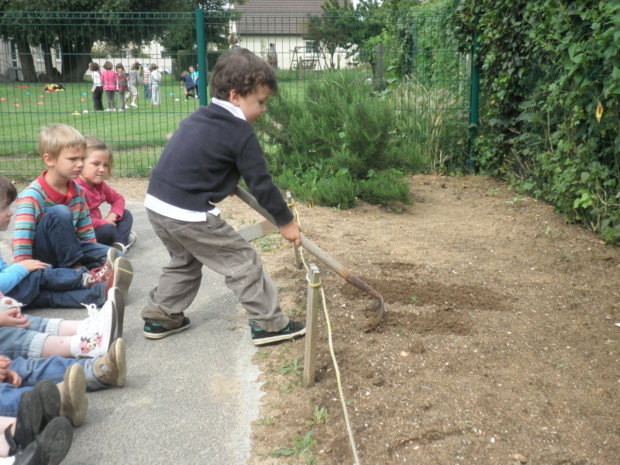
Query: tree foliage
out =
(551, 101)
(343, 26)
(73, 26)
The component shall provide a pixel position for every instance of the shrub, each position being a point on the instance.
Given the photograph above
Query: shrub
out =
(326, 143)
(387, 187)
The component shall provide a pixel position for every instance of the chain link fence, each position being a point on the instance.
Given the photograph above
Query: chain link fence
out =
(45, 76)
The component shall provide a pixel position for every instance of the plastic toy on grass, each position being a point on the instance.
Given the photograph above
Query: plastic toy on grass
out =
(50, 88)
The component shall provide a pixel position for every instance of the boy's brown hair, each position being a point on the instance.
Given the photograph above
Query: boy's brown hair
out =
(55, 137)
(93, 145)
(241, 70)
(8, 193)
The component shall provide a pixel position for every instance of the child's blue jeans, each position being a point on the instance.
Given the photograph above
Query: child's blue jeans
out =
(57, 288)
(109, 234)
(27, 342)
(56, 243)
(37, 369)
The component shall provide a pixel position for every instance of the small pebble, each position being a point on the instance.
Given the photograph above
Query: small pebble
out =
(519, 458)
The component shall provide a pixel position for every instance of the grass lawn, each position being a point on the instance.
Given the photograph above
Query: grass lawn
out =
(136, 135)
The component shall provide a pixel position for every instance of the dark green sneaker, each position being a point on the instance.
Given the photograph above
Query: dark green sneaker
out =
(155, 330)
(293, 330)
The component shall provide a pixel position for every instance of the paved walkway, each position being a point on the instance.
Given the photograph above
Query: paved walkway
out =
(190, 398)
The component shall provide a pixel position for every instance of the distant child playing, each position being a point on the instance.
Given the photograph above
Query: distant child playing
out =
(188, 82)
(108, 79)
(154, 79)
(132, 82)
(115, 228)
(52, 221)
(201, 165)
(97, 89)
(121, 84)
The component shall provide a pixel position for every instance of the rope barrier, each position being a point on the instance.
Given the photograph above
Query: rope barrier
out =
(343, 403)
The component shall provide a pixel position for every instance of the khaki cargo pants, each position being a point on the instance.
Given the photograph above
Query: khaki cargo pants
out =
(217, 245)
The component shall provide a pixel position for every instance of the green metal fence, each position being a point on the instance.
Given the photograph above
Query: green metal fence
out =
(44, 48)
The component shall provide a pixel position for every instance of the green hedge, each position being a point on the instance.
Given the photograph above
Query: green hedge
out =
(550, 115)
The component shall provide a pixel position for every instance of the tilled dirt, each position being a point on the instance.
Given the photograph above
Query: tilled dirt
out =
(499, 343)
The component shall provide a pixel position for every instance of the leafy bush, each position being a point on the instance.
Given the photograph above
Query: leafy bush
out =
(551, 108)
(385, 188)
(324, 145)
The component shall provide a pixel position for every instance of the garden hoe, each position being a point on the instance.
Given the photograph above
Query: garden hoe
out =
(324, 258)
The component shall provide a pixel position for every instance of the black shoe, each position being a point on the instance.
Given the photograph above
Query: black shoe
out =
(293, 330)
(28, 422)
(50, 447)
(37, 408)
(50, 400)
(155, 330)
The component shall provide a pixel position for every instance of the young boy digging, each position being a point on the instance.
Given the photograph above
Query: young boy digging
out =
(201, 165)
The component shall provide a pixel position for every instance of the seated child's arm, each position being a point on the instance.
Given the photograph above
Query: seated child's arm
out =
(116, 201)
(13, 318)
(6, 375)
(83, 226)
(11, 276)
(26, 215)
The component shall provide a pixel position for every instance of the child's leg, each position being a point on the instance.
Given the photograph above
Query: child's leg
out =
(55, 241)
(202, 243)
(93, 254)
(123, 228)
(9, 399)
(180, 280)
(55, 279)
(70, 299)
(20, 342)
(242, 268)
(111, 104)
(33, 370)
(106, 234)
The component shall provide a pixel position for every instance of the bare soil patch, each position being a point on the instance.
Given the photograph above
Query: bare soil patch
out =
(499, 343)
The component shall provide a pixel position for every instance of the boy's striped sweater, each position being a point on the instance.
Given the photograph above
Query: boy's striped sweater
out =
(34, 201)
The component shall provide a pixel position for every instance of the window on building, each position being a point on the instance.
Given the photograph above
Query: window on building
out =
(311, 48)
(14, 54)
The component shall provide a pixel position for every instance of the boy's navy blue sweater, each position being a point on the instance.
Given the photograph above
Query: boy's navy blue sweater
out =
(204, 160)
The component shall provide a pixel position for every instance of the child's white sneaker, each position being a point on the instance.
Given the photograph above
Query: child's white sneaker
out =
(95, 333)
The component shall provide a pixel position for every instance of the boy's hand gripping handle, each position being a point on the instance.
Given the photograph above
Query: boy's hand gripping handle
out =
(323, 257)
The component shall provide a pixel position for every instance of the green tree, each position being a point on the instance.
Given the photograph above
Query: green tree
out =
(343, 26)
(73, 26)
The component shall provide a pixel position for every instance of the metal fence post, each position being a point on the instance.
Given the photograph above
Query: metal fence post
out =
(312, 316)
(474, 101)
(202, 56)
